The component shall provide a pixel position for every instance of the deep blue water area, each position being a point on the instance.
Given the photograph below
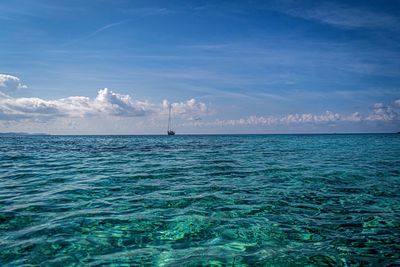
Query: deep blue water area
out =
(211, 200)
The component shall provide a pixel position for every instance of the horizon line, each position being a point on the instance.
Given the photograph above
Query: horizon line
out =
(194, 134)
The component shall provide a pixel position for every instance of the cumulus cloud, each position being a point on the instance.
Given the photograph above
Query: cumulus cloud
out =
(105, 103)
(10, 82)
(381, 112)
(121, 105)
(189, 108)
(396, 103)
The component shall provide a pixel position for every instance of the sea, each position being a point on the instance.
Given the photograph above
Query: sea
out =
(200, 200)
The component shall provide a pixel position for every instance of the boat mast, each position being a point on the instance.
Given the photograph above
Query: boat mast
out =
(169, 118)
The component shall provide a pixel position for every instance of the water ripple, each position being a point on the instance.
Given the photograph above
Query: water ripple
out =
(273, 200)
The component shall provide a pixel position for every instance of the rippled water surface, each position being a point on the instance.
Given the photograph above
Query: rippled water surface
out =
(272, 200)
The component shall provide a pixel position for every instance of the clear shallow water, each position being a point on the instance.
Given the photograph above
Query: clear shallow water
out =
(273, 200)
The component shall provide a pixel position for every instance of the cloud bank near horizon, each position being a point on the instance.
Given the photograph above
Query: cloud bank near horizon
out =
(379, 113)
(114, 105)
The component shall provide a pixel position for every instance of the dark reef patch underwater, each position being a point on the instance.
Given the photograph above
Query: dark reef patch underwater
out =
(248, 200)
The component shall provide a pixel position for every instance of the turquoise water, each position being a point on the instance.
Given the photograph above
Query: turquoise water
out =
(257, 200)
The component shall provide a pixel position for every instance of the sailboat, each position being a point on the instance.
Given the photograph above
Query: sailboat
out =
(170, 131)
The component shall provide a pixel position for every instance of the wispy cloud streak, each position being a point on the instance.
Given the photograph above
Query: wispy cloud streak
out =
(345, 16)
(99, 30)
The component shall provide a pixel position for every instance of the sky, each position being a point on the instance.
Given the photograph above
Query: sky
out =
(279, 66)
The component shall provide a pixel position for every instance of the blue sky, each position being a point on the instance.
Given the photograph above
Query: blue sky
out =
(225, 66)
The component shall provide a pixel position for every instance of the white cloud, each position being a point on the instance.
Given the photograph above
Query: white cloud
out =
(121, 105)
(119, 108)
(106, 103)
(10, 82)
(396, 103)
(283, 120)
(381, 112)
(310, 118)
(3, 95)
(355, 117)
(188, 108)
